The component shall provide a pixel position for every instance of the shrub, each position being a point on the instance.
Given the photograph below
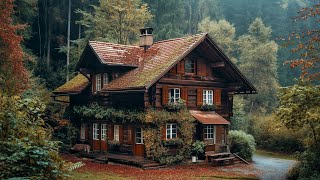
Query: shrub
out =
(198, 148)
(242, 144)
(207, 107)
(27, 150)
(178, 106)
(114, 146)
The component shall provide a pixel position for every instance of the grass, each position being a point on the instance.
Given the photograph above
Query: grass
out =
(275, 154)
(96, 176)
(229, 177)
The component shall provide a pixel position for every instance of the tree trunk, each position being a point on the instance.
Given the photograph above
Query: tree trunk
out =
(68, 43)
(49, 44)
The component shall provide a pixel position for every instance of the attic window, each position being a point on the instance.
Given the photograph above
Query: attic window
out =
(189, 66)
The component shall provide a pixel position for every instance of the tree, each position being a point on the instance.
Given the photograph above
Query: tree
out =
(306, 42)
(239, 120)
(27, 151)
(13, 75)
(223, 32)
(299, 106)
(258, 62)
(115, 21)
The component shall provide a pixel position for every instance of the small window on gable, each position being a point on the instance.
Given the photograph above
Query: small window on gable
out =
(98, 82)
(105, 78)
(189, 66)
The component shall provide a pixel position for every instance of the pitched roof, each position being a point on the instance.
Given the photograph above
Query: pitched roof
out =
(74, 86)
(158, 60)
(116, 54)
(205, 117)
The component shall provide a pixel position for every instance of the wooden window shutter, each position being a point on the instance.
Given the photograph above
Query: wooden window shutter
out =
(93, 83)
(180, 67)
(165, 95)
(129, 134)
(199, 97)
(110, 132)
(201, 68)
(164, 132)
(121, 133)
(217, 97)
(184, 94)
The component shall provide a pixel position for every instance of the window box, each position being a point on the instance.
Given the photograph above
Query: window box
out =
(207, 107)
(114, 146)
(172, 142)
(177, 106)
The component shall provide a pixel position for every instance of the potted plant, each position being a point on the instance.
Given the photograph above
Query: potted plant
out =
(208, 107)
(197, 149)
(176, 106)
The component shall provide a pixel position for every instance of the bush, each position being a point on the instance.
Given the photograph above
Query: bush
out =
(178, 106)
(207, 107)
(242, 144)
(198, 148)
(27, 150)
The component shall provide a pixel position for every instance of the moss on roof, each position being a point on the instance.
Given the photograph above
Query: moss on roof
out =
(75, 85)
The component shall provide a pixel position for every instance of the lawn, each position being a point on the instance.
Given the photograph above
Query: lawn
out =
(97, 171)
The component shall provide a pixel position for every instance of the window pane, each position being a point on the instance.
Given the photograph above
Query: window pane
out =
(139, 136)
(105, 78)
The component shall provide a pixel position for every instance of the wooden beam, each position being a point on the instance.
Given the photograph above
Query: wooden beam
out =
(192, 82)
(217, 64)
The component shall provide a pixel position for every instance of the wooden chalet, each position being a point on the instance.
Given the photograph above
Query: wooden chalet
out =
(151, 75)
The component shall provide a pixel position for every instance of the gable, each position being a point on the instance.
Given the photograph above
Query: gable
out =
(164, 56)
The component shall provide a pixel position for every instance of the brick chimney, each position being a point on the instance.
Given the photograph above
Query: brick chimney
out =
(146, 37)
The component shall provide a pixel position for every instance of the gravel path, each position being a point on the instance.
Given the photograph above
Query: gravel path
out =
(272, 168)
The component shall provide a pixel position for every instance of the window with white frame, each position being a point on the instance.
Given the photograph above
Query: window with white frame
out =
(105, 78)
(139, 136)
(209, 133)
(174, 95)
(83, 131)
(98, 82)
(104, 131)
(116, 132)
(171, 130)
(208, 97)
(95, 131)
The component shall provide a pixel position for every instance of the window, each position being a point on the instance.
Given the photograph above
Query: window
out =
(116, 132)
(209, 132)
(171, 131)
(103, 132)
(98, 82)
(208, 97)
(105, 78)
(83, 131)
(174, 95)
(95, 131)
(189, 66)
(139, 136)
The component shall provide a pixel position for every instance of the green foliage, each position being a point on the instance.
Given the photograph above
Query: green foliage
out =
(272, 135)
(116, 21)
(26, 149)
(240, 119)
(242, 144)
(172, 142)
(256, 50)
(207, 107)
(223, 32)
(198, 148)
(299, 107)
(177, 106)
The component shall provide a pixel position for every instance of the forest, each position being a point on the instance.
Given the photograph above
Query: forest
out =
(275, 44)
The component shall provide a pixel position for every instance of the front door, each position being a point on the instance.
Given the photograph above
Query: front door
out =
(138, 146)
(103, 141)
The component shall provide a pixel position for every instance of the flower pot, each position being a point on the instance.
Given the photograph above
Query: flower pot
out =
(194, 159)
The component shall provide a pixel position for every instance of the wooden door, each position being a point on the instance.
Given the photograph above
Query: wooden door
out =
(138, 142)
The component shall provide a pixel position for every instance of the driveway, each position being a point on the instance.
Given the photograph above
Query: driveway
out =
(272, 168)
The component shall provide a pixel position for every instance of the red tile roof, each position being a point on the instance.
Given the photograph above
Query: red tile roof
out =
(206, 117)
(74, 86)
(158, 60)
(117, 54)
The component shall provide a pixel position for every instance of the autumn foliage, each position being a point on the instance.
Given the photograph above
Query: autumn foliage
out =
(13, 75)
(306, 42)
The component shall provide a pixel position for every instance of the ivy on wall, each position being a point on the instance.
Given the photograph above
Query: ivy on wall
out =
(154, 121)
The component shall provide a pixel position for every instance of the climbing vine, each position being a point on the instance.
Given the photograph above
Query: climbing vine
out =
(154, 121)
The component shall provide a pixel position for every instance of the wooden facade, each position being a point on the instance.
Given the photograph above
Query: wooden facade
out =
(202, 69)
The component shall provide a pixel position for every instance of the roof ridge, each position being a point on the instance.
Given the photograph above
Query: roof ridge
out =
(126, 45)
(185, 37)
